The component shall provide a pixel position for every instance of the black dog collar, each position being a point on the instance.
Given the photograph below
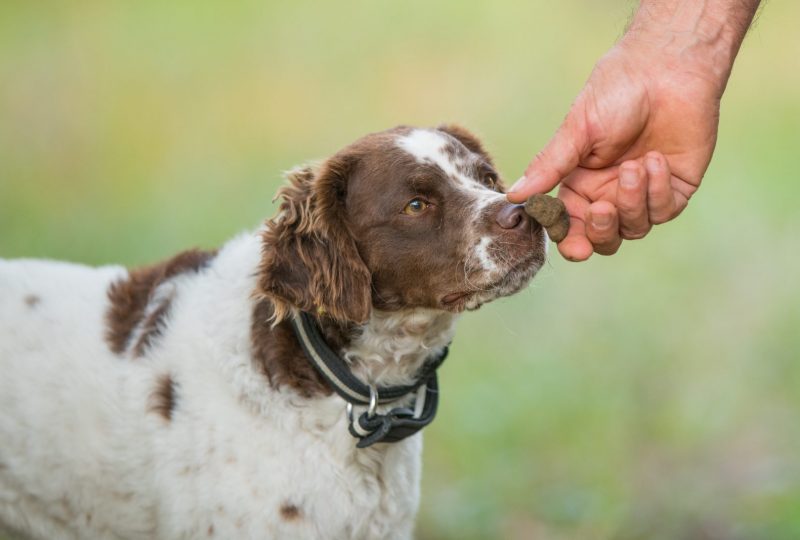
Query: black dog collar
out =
(370, 427)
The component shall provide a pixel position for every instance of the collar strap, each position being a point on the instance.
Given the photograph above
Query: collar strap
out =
(369, 427)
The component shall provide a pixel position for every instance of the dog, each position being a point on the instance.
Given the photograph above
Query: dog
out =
(192, 398)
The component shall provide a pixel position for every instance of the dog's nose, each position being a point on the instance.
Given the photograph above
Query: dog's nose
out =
(511, 216)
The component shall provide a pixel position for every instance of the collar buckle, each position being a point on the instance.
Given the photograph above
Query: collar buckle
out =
(397, 423)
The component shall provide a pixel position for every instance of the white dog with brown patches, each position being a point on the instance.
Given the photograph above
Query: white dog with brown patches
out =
(184, 400)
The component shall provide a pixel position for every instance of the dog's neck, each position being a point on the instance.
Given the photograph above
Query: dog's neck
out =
(392, 347)
(388, 350)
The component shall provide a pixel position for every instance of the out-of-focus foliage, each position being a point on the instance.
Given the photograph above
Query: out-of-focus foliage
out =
(651, 395)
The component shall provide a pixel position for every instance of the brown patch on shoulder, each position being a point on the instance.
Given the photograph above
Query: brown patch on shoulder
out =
(163, 400)
(129, 297)
(32, 300)
(152, 328)
(290, 512)
(279, 356)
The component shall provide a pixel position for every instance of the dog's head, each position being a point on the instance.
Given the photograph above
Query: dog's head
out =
(404, 218)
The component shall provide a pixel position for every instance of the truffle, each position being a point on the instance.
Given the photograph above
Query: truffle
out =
(551, 213)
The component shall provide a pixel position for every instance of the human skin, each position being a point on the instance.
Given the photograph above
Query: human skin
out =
(639, 137)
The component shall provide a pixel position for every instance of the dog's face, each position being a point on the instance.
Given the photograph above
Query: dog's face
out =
(400, 219)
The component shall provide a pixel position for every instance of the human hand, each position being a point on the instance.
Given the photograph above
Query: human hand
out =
(633, 147)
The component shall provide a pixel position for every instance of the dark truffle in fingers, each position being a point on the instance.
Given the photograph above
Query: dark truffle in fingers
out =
(551, 213)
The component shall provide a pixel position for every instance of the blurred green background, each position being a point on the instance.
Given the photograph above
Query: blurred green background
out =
(650, 395)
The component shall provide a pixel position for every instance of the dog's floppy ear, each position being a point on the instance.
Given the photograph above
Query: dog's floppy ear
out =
(466, 138)
(310, 261)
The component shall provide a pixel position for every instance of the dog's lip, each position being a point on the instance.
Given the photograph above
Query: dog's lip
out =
(455, 297)
(458, 298)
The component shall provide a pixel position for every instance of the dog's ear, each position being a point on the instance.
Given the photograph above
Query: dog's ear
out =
(466, 138)
(310, 260)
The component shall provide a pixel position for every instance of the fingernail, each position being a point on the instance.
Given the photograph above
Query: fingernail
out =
(653, 162)
(518, 184)
(601, 221)
(628, 178)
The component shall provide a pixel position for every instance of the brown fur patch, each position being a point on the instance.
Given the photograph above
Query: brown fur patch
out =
(310, 260)
(280, 357)
(163, 400)
(290, 512)
(152, 328)
(32, 300)
(129, 297)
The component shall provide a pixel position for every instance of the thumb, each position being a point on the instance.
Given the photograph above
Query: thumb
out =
(558, 158)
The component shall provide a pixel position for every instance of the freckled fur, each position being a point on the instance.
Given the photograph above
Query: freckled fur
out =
(163, 400)
(290, 512)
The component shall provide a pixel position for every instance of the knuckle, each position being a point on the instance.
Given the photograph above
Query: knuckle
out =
(660, 217)
(603, 238)
(659, 196)
(630, 207)
(658, 220)
(633, 234)
(607, 249)
(629, 194)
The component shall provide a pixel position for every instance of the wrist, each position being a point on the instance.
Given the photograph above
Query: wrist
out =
(700, 38)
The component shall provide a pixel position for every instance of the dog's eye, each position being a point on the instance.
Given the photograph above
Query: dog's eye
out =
(416, 207)
(490, 179)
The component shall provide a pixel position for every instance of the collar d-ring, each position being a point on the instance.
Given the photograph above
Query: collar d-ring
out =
(373, 404)
(373, 401)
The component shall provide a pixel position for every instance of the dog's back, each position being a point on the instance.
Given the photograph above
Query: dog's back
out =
(59, 411)
(51, 342)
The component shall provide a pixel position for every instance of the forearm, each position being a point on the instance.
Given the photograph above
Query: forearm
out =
(705, 35)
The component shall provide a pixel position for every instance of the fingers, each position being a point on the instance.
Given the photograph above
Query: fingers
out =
(594, 227)
(575, 246)
(602, 227)
(632, 201)
(607, 206)
(559, 157)
(662, 204)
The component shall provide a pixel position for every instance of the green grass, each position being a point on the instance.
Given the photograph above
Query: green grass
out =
(650, 395)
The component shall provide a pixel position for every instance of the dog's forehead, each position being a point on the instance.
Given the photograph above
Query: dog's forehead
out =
(456, 161)
(437, 148)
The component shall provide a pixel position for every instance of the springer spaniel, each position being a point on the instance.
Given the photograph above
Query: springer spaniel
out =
(180, 400)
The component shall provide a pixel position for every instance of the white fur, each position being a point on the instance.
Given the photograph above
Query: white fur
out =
(428, 146)
(482, 253)
(82, 457)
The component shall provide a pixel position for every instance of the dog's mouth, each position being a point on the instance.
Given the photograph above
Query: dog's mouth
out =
(513, 281)
(455, 298)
